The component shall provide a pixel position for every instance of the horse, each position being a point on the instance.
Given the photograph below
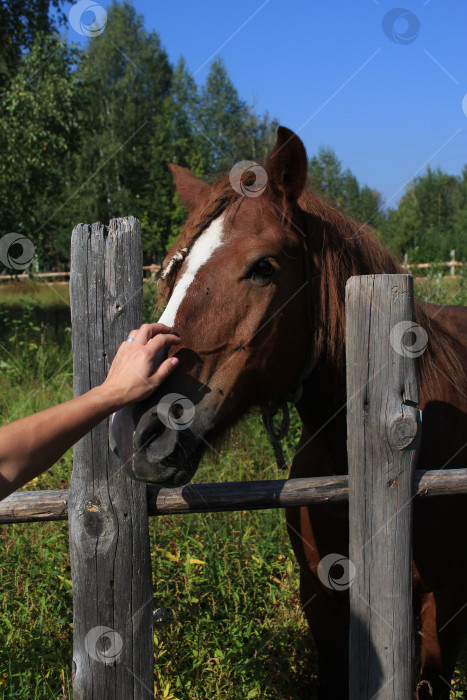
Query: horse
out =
(255, 288)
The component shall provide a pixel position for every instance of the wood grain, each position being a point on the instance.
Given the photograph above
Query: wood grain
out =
(109, 541)
(383, 438)
(37, 506)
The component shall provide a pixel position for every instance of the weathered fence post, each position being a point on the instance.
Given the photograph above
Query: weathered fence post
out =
(113, 653)
(383, 439)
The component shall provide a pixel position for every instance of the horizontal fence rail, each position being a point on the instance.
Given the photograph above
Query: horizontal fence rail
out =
(42, 506)
(154, 269)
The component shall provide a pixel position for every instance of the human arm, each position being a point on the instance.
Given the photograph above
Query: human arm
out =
(31, 445)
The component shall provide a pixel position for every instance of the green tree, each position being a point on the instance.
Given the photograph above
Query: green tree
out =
(341, 188)
(400, 229)
(184, 118)
(230, 130)
(125, 79)
(88, 135)
(222, 115)
(38, 132)
(459, 219)
(326, 177)
(180, 142)
(20, 22)
(430, 219)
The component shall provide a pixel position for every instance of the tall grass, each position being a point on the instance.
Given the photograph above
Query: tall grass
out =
(228, 622)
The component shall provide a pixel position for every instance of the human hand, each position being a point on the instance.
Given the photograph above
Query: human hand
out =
(132, 376)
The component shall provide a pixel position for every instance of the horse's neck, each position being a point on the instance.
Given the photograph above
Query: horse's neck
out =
(322, 409)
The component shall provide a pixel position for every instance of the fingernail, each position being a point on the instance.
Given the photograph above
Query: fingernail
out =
(175, 361)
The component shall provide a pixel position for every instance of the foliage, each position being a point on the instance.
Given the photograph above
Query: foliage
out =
(443, 290)
(341, 188)
(38, 133)
(229, 128)
(113, 175)
(431, 218)
(20, 23)
(88, 135)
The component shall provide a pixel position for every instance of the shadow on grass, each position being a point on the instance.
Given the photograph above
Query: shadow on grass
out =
(285, 667)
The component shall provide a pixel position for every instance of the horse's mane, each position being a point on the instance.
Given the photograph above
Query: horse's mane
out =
(339, 247)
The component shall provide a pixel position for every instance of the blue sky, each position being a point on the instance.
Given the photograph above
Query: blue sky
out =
(388, 102)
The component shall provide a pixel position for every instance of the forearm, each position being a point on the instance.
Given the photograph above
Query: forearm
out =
(32, 444)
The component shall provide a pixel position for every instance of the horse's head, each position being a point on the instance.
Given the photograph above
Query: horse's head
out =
(236, 289)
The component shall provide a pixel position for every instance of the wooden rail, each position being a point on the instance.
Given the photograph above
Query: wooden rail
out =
(452, 264)
(154, 269)
(46, 506)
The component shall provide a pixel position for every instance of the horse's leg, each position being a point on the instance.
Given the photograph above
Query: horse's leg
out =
(441, 572)
(444, 621)
(328, 620)
(313, 534)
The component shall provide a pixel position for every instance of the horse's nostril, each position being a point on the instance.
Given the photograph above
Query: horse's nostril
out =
(162, 446)
(154, 442)
(150, 432)
(176, 410)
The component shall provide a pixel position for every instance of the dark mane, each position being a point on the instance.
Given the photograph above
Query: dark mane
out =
(339, 247)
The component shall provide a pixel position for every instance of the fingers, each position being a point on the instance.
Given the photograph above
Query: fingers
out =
(163, 371)
(159, 336)
(161, 341)
(147, 331)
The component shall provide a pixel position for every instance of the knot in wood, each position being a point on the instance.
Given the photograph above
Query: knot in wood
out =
(402, 431)
(93, 520)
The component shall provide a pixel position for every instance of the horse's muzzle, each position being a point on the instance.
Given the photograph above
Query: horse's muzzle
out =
(166, 452)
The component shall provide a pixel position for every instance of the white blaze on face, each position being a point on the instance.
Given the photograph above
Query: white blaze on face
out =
(121, 425)
(202, 250)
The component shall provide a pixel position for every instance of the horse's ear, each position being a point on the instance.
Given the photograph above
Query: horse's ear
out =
(287, 165)
(190, 188)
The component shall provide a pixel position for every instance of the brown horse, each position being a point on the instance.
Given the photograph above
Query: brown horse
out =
(255, 289)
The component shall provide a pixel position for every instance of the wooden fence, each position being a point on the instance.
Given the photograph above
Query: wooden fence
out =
(64, 277)
(107, 511)
(453, 265)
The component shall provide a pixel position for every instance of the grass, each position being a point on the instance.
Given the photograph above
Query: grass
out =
(225, 584)
(443, 290)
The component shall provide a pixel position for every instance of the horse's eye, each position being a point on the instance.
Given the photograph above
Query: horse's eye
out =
(261, 269)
